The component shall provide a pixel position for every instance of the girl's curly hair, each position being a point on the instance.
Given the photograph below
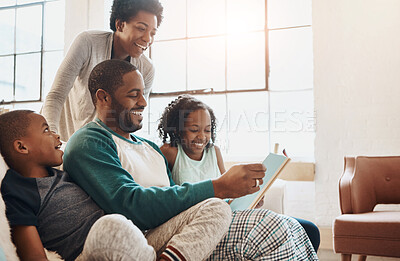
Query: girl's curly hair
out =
(171, 125)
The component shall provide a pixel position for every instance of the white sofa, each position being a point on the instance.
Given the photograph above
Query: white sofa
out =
(5, 240)
(6, 246)
(274, 200)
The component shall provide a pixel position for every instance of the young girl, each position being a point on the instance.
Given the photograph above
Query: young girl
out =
(188, 129)
(190, 125)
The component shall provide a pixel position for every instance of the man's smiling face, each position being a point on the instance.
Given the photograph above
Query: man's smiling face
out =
(128, 103)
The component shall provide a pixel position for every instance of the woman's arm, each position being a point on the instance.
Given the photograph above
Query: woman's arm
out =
(74, 61)
(170, 154)
(27, 241)
(220, 160)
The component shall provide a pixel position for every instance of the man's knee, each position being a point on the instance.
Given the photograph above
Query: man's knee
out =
(219, 208)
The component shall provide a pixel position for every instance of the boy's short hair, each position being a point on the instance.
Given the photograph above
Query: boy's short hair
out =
(107, 75)
(13, 125)
(126, 9)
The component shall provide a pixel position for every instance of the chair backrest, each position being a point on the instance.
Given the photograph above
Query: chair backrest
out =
(368, 181)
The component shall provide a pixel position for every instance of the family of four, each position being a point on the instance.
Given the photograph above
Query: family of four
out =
(121, 197)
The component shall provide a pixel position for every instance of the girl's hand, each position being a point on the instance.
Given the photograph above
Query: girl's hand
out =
(260, 203)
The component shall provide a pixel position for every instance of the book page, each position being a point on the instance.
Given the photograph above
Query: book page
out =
(274, 164)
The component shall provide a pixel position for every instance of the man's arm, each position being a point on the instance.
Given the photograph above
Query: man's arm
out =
(91, 159)
(27, 241)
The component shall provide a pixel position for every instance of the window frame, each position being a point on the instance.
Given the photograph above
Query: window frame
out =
(42, 51)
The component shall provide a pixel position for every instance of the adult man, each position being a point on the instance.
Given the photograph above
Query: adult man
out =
(128, 175)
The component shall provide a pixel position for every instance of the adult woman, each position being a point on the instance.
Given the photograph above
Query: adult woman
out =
(68, 106)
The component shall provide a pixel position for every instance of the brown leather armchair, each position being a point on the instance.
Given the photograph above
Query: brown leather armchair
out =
(366, 182)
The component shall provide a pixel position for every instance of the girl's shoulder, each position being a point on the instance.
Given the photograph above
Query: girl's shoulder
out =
(170, 153)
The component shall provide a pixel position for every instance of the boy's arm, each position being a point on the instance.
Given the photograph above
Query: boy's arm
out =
(27, 241)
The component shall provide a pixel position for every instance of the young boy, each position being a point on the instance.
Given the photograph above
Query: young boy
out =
(46, 209)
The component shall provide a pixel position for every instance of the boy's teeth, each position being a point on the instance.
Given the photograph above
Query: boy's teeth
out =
(137, 113)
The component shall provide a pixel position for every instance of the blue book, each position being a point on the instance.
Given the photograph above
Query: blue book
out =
(274, 164)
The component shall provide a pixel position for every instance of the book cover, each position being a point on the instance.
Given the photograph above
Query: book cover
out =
(274, 164)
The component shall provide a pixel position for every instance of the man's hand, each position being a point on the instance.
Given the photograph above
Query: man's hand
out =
(239, 181)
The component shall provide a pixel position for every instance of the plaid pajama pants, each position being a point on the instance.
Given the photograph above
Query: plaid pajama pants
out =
(259, 234)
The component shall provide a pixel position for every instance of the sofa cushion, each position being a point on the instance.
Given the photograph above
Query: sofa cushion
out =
(359, 233)
(5, 240)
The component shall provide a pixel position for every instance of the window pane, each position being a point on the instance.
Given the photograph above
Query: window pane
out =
(54, 25)
(246, 64)
(29, 29)
(292, 123)
(244, 17)
(6, 78)
(7, 22)
(286, 13)
(170, 63)
(33, 106)
(206, 63)
(28, 1)
(206, 17)
(291, 59)
(7, 3)
(27, 78)
(174, 22)
(248, 126)
(51, 62)
(151, 116)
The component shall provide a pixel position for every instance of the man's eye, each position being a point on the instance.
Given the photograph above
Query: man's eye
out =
(47, 130)
(207, 130)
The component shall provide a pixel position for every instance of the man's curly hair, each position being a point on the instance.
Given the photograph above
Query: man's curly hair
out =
(172, 121)
(126, 9)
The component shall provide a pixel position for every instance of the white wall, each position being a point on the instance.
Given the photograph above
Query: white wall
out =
(357, 89)
(81, 15)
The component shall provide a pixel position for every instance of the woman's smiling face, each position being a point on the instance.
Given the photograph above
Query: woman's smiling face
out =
(136, 34)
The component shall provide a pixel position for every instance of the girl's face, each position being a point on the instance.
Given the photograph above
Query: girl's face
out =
(137, 34)
(197, 133)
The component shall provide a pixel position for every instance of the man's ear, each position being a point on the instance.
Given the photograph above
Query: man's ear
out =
(103, 98)
(119, 25)
(20, 147)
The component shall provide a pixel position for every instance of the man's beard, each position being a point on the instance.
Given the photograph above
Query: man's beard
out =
(124, 120)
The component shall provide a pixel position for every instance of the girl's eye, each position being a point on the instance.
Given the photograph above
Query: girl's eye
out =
(193, 130)
(207, 130)
(47, 130)
(141, 28)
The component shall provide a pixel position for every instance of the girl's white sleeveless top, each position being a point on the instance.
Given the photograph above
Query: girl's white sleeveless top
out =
(187, 170)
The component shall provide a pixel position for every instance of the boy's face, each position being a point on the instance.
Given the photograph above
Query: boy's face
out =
(196, 133)
(42, 144)
(128, 103)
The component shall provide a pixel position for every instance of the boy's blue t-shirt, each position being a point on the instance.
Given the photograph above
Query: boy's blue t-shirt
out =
(61, 211)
